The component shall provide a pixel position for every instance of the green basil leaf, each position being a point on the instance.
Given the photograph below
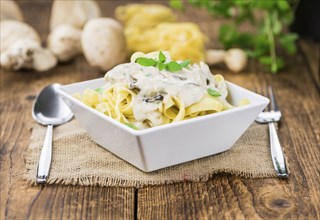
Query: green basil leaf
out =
(162, 57)
(213, 92)
(268, 5)
(255, 53)
(290, 47)
(292, 37)
(185, 63)
(221, 8)
(283, 5)
(265, 60)
(176, 4)
(173, 66)
(287, 41)
(280, 63)
(287, 17)
(99, 90)
(277, 27)
(161, 66)
(131, 126)
(143, 61)
(273, 65)
(228, 35)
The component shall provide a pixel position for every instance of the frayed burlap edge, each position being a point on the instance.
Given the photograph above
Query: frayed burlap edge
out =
(93, 180)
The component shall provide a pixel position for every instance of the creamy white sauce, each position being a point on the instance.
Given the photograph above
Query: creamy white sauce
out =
(190, 84)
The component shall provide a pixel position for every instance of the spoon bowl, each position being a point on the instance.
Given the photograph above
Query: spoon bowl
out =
(50, 110)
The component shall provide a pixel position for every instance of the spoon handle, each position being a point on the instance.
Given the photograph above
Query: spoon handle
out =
(45, 157)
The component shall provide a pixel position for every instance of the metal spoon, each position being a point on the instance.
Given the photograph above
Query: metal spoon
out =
(50, 110)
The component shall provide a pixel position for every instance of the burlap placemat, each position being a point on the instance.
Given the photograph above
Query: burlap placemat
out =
(77, 160)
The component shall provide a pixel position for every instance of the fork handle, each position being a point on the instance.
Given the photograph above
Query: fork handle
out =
(278, 160)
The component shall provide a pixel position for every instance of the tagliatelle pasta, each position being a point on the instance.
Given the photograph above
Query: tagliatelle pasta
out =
(154, 90)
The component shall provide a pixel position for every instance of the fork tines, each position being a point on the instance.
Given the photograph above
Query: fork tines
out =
(273, 102)
(267, 91)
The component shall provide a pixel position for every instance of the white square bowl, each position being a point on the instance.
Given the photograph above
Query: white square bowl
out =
(166, 145)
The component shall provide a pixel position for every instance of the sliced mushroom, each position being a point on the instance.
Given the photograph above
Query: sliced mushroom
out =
(153, 99)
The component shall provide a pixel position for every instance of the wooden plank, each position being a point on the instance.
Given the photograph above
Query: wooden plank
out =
(226, 197)
(73, 202)
(311, 52)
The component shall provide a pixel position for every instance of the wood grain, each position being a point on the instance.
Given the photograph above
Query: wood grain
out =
(227, 197)
(311, 52)
(223, 197)
(18, 200)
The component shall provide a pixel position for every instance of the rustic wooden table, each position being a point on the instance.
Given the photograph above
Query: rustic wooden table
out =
(223, 197)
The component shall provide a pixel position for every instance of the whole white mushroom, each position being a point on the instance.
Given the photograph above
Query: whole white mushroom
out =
(65, 42)
(235, 59)
(103, 43)
(9, 10)
(27, 54)
(12, 31)
(215, 56)
(75, 12)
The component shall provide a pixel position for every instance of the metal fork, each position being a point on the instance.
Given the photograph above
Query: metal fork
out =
(272, 115)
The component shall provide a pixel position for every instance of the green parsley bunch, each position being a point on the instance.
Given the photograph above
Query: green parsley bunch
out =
(269, 36)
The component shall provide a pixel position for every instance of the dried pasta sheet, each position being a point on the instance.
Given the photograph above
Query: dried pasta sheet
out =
(153, 27)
